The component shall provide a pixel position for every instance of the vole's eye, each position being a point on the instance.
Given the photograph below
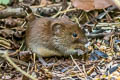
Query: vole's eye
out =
(74, 35)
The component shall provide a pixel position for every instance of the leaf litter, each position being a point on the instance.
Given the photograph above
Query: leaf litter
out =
(101, 62)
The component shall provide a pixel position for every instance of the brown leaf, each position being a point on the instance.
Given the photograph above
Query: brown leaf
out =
(45, 2)
(91, 4)
(25, 55)
(6, 32)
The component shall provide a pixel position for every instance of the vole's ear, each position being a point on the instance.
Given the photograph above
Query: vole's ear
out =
(57, 28)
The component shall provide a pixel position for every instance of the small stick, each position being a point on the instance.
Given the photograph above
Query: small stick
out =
(17, 68)
(76, 64)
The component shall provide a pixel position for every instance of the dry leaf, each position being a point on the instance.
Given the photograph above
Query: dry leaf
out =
(45, 2)
(88, 5)
(117, 3)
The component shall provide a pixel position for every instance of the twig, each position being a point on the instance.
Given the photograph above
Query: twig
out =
(61, 12)
(19, 62)
(16, 12)
(98, 35)
(105, 24)
(100, 16)
(19, 12)
(84, 70)
(17, 68)
(76, 64)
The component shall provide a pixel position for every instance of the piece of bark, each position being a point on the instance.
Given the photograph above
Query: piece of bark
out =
(19, 12)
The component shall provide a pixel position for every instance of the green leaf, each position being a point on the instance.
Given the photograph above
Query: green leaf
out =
(4, 2)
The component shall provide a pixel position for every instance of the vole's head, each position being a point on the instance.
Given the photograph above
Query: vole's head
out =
(68, 37)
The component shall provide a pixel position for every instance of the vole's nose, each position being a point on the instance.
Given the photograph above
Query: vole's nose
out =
(84, 41)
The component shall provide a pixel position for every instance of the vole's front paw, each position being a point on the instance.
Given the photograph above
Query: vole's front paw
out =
(48, 64)
(44, 63)
(80, 52)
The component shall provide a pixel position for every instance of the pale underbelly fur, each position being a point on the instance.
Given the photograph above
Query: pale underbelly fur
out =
(45, 52)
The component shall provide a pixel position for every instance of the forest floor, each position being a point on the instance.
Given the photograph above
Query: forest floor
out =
(102, 62)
